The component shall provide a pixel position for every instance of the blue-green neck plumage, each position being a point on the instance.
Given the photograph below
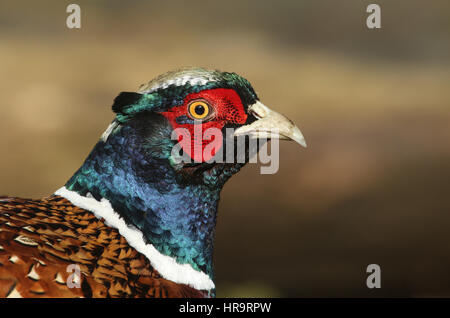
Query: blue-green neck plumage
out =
(174, 207)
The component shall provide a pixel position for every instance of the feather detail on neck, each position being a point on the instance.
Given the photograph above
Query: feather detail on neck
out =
(165, 265)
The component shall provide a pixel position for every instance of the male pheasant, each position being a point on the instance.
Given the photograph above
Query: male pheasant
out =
(137, 219)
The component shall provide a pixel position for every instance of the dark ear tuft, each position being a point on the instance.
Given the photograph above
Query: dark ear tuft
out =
(125, 99)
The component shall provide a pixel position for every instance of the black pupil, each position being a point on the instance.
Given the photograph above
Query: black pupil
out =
(199, 110)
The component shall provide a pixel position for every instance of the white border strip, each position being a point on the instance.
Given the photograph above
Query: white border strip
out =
(108, 131)
(165, 265)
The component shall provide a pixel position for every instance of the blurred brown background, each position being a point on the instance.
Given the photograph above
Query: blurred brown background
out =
(372, 187)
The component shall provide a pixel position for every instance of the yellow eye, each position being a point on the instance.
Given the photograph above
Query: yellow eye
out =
(198, 109)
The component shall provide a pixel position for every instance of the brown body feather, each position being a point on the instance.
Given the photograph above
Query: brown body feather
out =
(39, 239)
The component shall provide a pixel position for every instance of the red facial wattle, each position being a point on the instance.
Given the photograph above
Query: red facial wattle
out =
(196, 139)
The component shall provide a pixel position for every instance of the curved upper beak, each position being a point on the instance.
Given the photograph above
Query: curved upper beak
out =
(270, 124)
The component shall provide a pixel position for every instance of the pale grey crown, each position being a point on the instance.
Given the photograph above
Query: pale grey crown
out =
(180, 77)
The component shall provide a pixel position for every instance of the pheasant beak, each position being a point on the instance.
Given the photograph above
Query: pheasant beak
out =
(270, 124)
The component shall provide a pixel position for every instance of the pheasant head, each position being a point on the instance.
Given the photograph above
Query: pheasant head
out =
(155, 174)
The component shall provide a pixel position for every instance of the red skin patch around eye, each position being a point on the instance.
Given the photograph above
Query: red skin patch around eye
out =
(225, 107)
